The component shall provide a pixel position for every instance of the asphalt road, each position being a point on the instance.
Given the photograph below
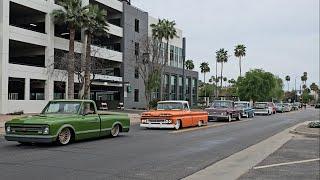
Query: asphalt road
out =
(142, 154)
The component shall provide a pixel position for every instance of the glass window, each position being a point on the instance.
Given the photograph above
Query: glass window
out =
(136, 73)
(136, 25)
(88, 108)
(62, 108)
(136, 95)
(136, 49)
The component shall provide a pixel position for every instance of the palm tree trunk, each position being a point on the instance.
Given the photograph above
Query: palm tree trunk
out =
(221, 75)
(71, 64)
(87, 68)
(240, 65)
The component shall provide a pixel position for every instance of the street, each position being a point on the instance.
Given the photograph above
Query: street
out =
(142, 153)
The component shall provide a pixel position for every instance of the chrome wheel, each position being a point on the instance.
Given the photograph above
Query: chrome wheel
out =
(178, 124)
(199, 123)
(115, 131)
(64, 136)
(229, 118)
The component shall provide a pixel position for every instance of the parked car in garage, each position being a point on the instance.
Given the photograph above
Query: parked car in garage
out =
(173, 115)
(263, 108)
(64, 121)
(245, 108)
(279, 107)
(223, 110)
(287, 107)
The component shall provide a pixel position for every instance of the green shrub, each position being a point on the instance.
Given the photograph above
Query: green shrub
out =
(314, 124)
(153, 103)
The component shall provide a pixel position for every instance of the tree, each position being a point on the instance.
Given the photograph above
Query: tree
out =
(189, 65)
(314, 87)
(164, 30)
(258, 85)
(204, 69)
(149, 66)
(288, 80)
(72, 14)
(225, 79)
(239, 52)
(304, 79)
(95, 23)
(222, 57)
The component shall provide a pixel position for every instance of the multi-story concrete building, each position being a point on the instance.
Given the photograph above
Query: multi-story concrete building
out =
(32, 50)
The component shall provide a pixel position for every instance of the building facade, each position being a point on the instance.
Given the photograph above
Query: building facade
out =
(33, 57)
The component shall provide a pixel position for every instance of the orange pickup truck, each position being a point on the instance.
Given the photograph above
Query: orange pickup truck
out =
(173, 115)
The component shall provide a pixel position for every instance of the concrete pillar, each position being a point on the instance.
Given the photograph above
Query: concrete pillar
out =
(49, 52)
(4, 55)
(27, 89)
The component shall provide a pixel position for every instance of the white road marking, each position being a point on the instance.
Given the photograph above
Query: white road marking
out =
(287, 163)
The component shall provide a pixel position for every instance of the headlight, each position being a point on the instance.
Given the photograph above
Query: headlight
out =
(168, 121)
(46, 130)
(223, 114)
(144, 121)
(8, 129)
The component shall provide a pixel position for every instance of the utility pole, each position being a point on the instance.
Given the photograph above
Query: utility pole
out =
(183, 68)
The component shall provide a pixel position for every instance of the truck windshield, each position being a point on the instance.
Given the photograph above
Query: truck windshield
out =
(241, 105)
(62, 108)
(260, 105)
(169, 106)
(221, 104)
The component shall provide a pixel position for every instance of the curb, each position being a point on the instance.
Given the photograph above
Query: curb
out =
(242, 161)
(311, 135)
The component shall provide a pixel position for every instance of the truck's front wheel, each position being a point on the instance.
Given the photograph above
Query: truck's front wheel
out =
(64, 136)
(177, 125)
(115, 130)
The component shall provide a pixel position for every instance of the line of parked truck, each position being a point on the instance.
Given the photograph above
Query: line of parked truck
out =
(63, 121)
(229, 110)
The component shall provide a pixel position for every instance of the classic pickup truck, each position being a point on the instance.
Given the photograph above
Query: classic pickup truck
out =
(173, 115)
(223, 109)
(64, 121)
(245, 109)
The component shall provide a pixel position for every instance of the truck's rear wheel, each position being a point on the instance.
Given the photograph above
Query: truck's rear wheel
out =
(200, 123)
(64, 137)
(115, 130)
(177, 125)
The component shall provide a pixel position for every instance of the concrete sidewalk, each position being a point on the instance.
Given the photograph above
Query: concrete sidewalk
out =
(239, 163)
(295, 160)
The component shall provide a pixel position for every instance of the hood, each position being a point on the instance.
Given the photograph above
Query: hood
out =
(163, 113)
(40, 119)
(217, 109)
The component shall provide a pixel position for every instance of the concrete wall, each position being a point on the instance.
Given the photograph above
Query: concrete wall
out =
(131, 13)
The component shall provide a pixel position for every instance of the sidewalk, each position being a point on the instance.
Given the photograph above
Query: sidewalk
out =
(295, 160)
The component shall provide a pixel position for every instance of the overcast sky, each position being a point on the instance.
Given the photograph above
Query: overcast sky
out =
(282, 36)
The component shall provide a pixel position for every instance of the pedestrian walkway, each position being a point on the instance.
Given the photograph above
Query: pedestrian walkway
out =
(297, 159)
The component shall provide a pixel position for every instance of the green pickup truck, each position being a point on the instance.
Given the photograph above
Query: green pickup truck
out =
(64, 121)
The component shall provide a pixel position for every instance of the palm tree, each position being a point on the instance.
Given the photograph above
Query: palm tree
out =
(314, 87)
(304, 79)
(239, 52)
(222, 57)
(204, 69)
(225, 79)
(189, 65)
(164, 29)
(95, 23)
(72, 14)
(288, 80)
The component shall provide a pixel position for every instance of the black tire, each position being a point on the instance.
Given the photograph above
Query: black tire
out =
(239, 117)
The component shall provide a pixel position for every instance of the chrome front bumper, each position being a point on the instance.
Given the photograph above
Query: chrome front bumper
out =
(160, 125)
